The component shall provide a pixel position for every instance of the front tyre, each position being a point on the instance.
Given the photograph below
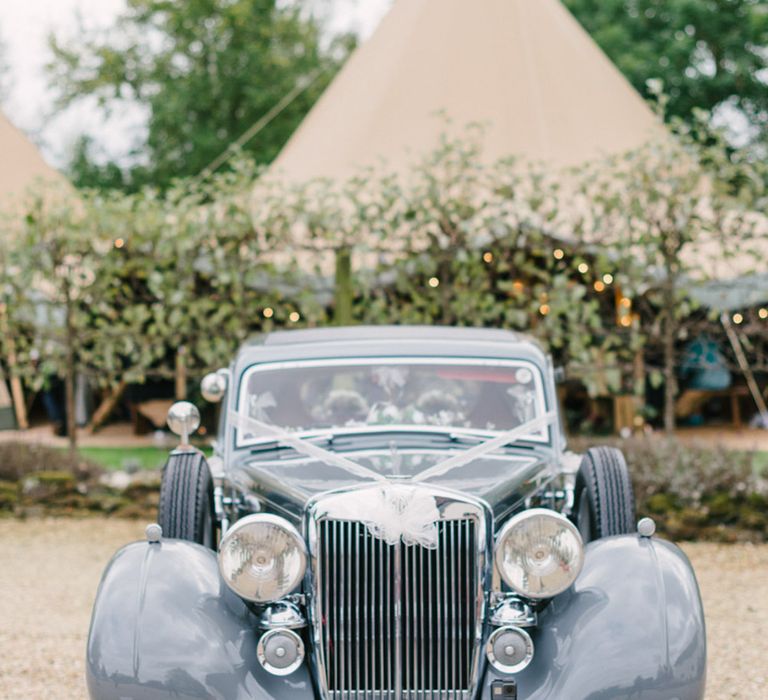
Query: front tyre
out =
(186, 510)
(604, 500)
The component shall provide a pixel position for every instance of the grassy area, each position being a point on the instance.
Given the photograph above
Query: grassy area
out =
(760, 460)
(113, 458)
(120, 457)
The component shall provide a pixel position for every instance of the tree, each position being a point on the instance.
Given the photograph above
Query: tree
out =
(665, 211)
(206, 70)
(709, 53)
(48, 273)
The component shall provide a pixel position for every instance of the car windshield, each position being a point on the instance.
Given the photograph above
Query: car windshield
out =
(375, 394)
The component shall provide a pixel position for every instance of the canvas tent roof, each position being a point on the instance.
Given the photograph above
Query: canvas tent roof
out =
(21, 166)
(732, 294)
(524, 68)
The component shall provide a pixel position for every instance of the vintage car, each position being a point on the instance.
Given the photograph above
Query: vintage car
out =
(392, 512)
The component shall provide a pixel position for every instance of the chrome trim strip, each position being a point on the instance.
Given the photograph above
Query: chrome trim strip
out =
(398, 606)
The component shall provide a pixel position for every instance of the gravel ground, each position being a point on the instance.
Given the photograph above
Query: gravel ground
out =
(49, 571)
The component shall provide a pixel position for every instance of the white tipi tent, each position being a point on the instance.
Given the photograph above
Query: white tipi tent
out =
(525, 69)
(21, 165)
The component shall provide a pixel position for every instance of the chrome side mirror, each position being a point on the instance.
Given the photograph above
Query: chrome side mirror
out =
(214, 385)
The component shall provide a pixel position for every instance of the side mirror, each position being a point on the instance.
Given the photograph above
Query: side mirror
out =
(214, 385)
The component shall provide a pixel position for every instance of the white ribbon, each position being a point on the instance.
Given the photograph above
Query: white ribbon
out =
(486, 447)
(392, 512)
(308, 449)
(397, 512)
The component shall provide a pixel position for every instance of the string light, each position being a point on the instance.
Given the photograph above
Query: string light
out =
(518, 286)
(625, 321)
(608, 279)
(268, 312)
(119, 242)
(294, 316)
(583, 268)
(626, 302)
(599, 286)
(488, 257)
(559, 254)
(738, 318)
(763, 313)
(544, 309)
(434, 282)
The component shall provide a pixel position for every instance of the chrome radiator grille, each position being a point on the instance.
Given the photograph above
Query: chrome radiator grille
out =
(396, 621)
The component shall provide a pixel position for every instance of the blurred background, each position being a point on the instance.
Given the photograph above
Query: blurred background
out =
(178, 176)
(165, 164)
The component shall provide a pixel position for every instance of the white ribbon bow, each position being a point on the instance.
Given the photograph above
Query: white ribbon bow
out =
(396, 511)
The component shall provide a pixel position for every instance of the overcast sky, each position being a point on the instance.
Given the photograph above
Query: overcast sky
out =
(24, 26)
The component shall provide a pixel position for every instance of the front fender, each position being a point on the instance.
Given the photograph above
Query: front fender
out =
(631, 628)
(165, 625)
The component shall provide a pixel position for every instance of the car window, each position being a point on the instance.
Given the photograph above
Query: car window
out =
(357, 394)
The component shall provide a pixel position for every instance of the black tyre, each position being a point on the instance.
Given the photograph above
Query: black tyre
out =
(604, 501)
(186, 509)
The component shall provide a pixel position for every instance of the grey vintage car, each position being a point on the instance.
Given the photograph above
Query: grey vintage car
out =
(392, 512)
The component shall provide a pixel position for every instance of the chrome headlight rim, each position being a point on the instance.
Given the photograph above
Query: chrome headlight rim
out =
(522, 519)
(275, 521)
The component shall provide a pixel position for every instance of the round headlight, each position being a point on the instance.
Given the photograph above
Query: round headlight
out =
(262, 558)
(539, 553)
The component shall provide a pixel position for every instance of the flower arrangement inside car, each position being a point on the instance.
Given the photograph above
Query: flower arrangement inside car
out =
(392, 512)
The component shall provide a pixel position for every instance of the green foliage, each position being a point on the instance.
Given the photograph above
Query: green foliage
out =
(116, 286)
(708, 53)
(673, 209)
(205, 70)
(38, 480)
(84, 170)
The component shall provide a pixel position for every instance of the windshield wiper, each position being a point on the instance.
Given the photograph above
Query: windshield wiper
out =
(302, 445)
(459, 439)
(276, 443)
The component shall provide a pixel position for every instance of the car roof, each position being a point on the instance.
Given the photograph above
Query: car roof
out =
(363, 333)
(372, 341)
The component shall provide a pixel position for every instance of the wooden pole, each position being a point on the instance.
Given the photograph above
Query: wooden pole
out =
(17, 390)
(106, 407)
(181, 374)
(344, 292)
(70, 372)
(741, 358)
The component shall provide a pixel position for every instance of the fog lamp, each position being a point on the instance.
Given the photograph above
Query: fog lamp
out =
(509, 649)
(539, 553)
(280, 652)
